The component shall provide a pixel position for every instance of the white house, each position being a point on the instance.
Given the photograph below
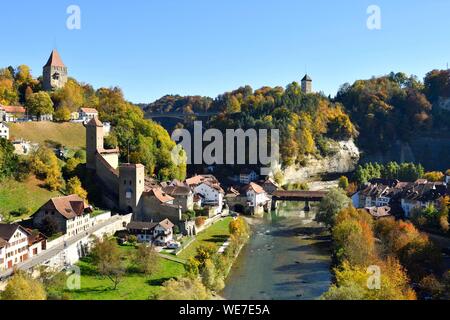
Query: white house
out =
(11, 113)
(257, 198)
(248, 176)
(212, 195)
(4, 131)
(87, 114)
(147, 232)
(163, 232)
(70, 215)
(13, 245)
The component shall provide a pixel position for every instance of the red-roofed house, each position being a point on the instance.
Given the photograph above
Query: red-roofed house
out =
(257, 198)
(69, 215)
(87, 114)
(11, 113)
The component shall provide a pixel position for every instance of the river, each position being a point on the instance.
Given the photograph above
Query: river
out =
(287, 258)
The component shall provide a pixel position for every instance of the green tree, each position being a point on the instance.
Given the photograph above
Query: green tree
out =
(211, 277)
(8, 159)
(62, 114)
(343, 182)
(39, 103)
(331, 205)
(108, 260)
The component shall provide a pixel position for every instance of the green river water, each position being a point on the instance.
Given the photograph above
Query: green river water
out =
(287, 258)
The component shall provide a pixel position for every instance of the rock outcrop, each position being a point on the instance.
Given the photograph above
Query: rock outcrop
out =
(343, 161)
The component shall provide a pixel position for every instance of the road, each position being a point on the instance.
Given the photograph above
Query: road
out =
(48, 254)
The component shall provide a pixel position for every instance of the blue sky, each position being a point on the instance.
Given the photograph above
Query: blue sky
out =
(206, 47)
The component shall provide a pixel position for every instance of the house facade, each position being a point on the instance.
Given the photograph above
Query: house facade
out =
(148, 232)
(87, 114)
(248, 176)
(13, 245)
(68, 215)
(182, 195)
(4, 131)
(11, 113)
(212, 195)
(257, 199)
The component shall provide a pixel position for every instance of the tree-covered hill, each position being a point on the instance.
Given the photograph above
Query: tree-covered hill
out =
(397, 107)
(139, 139)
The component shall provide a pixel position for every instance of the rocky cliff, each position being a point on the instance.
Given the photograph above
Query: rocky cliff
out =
(344, 160)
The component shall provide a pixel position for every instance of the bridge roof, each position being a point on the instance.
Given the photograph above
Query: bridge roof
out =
(299, 194)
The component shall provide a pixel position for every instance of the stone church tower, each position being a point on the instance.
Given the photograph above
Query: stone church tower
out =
(307, 84)
(94, 142)
(55, 72)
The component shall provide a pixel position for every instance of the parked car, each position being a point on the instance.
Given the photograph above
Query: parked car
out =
(159, 243)
(173, 245)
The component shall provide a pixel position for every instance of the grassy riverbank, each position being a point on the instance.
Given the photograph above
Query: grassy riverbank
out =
(134, 286)
(216, 234)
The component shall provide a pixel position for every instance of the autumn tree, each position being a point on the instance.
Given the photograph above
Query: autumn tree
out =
(211, 277)
(74, 186)
(435, 176)
(239, 228)
(184, 289)
(146, 260)
(45, 165)
(21, 286)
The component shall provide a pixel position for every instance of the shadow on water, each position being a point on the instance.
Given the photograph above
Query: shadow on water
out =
(287, 258)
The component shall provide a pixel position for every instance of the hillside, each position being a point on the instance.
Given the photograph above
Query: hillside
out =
(71, 135)
(28, 195)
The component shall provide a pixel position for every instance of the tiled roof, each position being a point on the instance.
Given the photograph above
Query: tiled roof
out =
(13, 109)
(177, 190)
(161, 195)
(68, 206)
(166, 224)
(199, 179)
(255, 187)
(89, 110)
(139, 225)
(95, 122)
(8, 230)
(54, 60)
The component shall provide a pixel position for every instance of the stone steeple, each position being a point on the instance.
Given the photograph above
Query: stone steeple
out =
(307, 84)
(55, 72)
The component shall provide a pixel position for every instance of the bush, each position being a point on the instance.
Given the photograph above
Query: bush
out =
(200, 221)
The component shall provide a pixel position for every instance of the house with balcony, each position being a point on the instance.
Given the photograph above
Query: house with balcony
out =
(148, 232)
